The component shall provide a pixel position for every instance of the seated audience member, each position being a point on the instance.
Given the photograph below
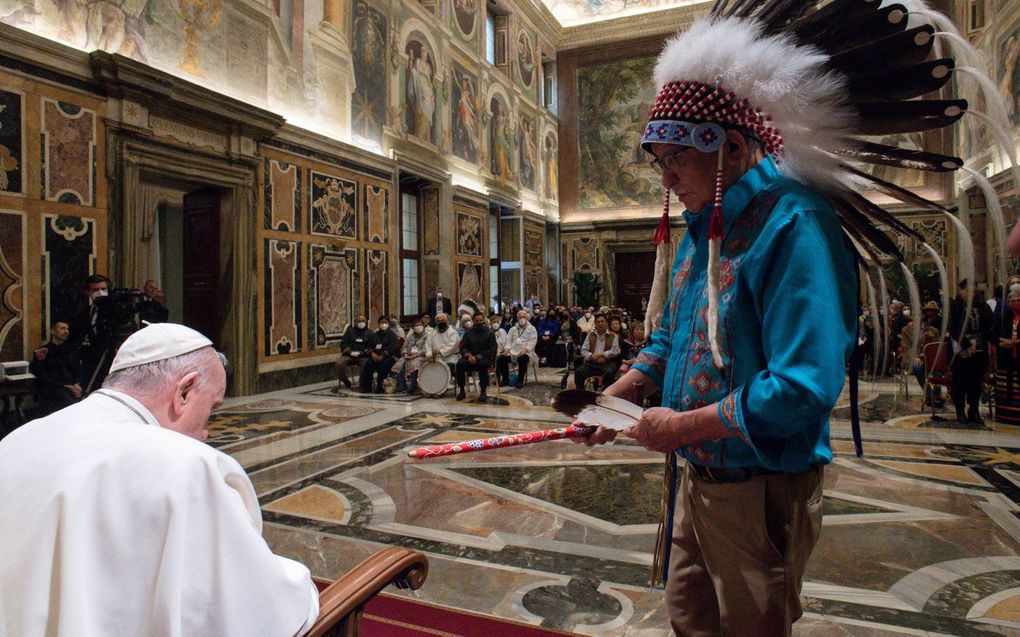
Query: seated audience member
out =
(477, 351)
(395, 327)
(548, 334)
(444, 343)
(152, 307)
(617, 327)
(600, 352)
(507, 319)
(632, 345)
(495, 324)
(413, 356)
(118, 520)
(465, 324)
(585, 324)
(57, 369)
(355, 345)
(426, 323)
(380, 359)
(520, 345)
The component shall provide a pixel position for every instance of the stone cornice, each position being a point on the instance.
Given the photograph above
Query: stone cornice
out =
(631, 27)
(171, 96)
(334, 151)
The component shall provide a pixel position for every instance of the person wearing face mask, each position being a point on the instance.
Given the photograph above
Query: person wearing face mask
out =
(586, 323)
(444, 342)
(91, 332)
(440, 304)
(413, 357)
(548, 334)
(465, 324)
(395, 327)
(507, 320)
(521, 342)
(380, 359)
(1007, 362)
(355, 346)
(477, 351)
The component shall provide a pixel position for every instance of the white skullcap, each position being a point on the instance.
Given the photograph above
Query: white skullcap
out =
(157, 342)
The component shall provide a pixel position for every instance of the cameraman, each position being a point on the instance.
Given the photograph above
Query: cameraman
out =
(102, 327)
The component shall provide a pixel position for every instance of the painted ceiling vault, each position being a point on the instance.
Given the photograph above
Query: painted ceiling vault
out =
(574, 12)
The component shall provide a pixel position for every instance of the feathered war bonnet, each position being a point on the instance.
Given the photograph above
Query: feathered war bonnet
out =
(814, 82)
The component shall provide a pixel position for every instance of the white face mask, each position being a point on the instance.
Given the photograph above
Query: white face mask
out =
(522, 322)
(439, 295)
(99, 293)
(495, 326)
(384, 326)
(360, 325)
(587, 315)
(418, 329)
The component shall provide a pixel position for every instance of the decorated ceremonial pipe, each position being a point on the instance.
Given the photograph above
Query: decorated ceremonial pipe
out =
(497, 442)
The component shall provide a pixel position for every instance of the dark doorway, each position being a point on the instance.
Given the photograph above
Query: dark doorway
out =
(200, 266)
(634, 271)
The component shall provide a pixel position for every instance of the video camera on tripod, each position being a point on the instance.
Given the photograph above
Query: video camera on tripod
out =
(116, 319)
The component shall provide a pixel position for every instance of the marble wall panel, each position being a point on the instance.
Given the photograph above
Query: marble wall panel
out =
(68, 153)
(333, 206)
(68, 257)
(471, 283)
(377, 284)
(369, 105)
(377, 206)
(430, 268)
(12, 142)
(469, 234)
(282, 195)
(12, 286)
(430, 221)
(584, 252)
(283, 297)
(332, 284)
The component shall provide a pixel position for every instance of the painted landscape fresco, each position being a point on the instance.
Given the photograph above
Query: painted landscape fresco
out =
(613, 104)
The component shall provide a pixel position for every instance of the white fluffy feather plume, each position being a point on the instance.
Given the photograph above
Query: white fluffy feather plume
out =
(787, 82)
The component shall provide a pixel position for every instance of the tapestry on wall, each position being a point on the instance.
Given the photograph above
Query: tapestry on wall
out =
(470, 283)
(334, 206)
(613, 101)
(469, 235)
(12, 142)
(368, 104)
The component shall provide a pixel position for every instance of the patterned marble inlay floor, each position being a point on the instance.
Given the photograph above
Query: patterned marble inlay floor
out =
(921, 535)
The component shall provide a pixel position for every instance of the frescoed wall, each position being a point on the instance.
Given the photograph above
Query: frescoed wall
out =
(52, 206)
(369, 103)
(472, 254)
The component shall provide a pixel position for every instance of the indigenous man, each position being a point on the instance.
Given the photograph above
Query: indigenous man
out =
(117, 520)
(755, 334)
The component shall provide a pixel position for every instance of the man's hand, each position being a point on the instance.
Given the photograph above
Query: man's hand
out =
(664, 430)
(629, 387)
(40, 354)
(472, 358)
(598, 358)
(74, 389)
(506, 351)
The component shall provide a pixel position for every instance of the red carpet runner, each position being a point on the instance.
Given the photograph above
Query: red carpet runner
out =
(387, 616)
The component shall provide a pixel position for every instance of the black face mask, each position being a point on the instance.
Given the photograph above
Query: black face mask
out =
(479, 327)
(441, 326)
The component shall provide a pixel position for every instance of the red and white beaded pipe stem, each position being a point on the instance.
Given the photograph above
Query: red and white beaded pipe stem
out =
(499, 442)
(715, 237)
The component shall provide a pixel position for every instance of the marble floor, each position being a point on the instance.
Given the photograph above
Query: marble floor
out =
(921, 536)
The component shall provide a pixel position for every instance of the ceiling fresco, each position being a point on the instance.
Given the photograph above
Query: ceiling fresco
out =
(574, 12)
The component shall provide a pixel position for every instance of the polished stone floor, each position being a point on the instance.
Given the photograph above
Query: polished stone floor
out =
(921, 536)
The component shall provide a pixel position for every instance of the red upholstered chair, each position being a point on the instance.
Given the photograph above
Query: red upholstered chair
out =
(936, 372)
(342, 603)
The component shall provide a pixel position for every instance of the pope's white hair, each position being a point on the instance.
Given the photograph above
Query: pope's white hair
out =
(788, 82)
(152, 378)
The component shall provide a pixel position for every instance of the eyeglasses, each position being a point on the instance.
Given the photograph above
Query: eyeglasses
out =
(670, 162)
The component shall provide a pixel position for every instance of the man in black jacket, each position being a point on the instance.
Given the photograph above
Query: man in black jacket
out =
(355, 346)
(57, 369)
(439, 304)
(381, 357)
(970, 353)
(477, 352)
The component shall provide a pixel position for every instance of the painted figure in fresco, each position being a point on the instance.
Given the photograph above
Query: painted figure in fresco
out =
(88, 24)
(421, 95)
(499, 154)
(368, 38)
(1009, 84)
(465, 11)
(466, 130)
(529, 153)
(526, 58)
(551, 170)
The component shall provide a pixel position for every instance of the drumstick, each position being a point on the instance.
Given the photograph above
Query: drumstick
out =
(497, 442)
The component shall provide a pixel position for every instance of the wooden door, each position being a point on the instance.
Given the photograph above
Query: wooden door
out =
(634, 272)
(201, 266)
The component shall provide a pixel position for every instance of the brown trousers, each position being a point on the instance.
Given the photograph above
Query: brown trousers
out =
(739, 553)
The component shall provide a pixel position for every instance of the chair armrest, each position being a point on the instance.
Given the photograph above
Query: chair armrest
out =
(401, 567)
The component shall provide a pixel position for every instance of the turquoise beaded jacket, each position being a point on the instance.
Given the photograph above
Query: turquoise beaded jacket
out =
(787, 325)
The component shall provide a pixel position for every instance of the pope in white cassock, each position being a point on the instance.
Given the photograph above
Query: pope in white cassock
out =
(116, 519)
